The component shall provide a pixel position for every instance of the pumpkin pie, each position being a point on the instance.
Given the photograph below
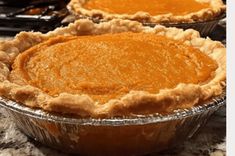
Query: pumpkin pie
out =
(150, 11)
(115, 68)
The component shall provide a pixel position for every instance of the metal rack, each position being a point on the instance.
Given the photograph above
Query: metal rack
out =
(36, 15)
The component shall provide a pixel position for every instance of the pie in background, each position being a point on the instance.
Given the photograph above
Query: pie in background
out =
(149, 11)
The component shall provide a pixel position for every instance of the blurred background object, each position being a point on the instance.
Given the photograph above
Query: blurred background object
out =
(31, 15)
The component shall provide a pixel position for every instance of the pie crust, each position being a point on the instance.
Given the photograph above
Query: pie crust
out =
(133, 103)
(216, 9)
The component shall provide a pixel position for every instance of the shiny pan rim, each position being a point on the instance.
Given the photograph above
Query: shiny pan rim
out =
(213, 104)
(218, 18)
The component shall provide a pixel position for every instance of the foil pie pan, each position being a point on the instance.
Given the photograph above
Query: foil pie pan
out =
(205, 28)
(138, 135)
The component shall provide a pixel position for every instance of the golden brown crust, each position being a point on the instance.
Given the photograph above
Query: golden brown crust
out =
(216, 9)
(135, 102)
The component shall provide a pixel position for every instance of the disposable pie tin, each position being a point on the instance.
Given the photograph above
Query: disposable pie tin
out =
(205, 28)
(138, 135)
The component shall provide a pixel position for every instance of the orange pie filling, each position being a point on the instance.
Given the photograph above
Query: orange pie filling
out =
(153, 7)
(109, 66)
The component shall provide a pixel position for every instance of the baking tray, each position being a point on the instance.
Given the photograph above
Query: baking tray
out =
(137, 135)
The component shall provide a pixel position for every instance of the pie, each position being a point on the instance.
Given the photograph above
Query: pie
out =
(150, 11)
(115, 68)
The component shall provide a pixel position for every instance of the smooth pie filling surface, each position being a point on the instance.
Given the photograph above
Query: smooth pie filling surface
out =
(153, 7)
(109, 66)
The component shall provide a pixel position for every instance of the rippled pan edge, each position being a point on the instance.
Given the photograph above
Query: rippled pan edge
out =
(205, 28)
(114, 136)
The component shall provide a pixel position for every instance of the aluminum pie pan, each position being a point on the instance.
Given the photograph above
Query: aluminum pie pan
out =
(137, 120)
(204, 27)
(138, 135)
